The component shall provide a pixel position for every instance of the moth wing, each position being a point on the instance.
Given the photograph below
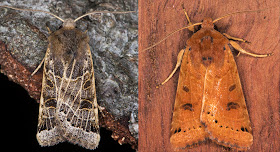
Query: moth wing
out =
(186, 128)
(69, 90)
(48, 129)
(224, 111)
(78, 109)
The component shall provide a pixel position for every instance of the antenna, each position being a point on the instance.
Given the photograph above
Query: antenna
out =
(95, 12)
(31, 10)
(171, 35)
(227, 15)
(239, 12)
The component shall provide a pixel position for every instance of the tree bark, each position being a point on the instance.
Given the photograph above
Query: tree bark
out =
(113, 42)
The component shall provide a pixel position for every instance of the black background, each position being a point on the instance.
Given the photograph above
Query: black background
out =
(19, 118)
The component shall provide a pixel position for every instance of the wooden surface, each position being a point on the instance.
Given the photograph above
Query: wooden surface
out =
(260, 77)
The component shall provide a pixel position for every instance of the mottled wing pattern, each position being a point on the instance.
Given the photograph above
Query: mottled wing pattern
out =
(186, 128)
(68, 69)
(48, 127)
(224, 109)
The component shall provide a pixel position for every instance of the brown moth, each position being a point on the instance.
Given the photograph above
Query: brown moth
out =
(209, 100)
(68, 106)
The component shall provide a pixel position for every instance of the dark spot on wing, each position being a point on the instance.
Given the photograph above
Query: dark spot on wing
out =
(232, 105)
(87, 84)
(86, 104)
(50, 103)
(187, 106)
(177, 130)
(49, 83)
(185, 88)
(231, 88)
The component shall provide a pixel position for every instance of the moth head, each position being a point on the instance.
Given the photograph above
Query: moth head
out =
(207, 23)
(69, 23)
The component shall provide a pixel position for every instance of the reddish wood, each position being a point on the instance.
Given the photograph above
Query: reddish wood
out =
(260, 78)
(19, 73)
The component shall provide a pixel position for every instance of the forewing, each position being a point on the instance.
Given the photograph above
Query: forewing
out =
(48, 128)
(77, 108)
(224, 109)
(186, 128)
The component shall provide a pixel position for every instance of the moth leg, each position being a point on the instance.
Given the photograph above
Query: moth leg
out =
(101, 110)
(49, 30)
(235, 38)
(238, 48)
(238, 54)
(179, 60)
(39, 66)
(190, 23)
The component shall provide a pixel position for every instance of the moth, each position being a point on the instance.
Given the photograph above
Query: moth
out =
(68, 106)
(209, 100)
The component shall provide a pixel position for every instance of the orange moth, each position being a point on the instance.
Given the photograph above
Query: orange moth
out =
(209, 100)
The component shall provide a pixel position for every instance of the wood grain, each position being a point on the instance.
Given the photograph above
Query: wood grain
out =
(260, 77)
